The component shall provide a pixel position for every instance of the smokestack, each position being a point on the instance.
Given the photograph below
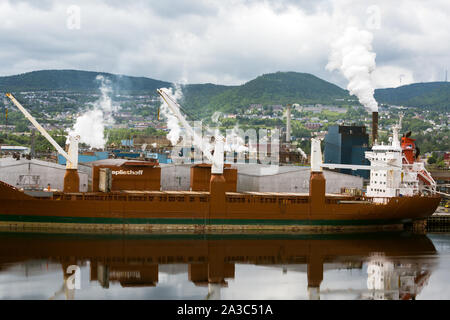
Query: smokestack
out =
(288, 124)
(374, 127)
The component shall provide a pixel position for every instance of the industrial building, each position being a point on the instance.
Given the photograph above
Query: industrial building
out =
(86, 157)
(14, 149)
(263, 178)
(346, 145)
(36, 174)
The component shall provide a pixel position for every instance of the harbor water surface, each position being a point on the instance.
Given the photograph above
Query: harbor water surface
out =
(387, 265)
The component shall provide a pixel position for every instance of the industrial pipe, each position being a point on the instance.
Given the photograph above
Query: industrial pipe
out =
(374, 127)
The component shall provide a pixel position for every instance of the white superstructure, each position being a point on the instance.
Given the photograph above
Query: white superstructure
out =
(391, 175)
(398, 178)
(388, 279)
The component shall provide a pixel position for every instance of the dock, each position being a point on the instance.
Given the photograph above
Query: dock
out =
(439, 221)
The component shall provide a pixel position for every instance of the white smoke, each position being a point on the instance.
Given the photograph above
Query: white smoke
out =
(172, 122)
(203, 142)
(352, 55)
(234, 141)
(90, 126)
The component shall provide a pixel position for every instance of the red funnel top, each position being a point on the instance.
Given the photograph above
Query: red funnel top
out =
(409, 149)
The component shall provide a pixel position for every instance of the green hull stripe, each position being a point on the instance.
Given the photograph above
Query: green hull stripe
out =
(195, 221)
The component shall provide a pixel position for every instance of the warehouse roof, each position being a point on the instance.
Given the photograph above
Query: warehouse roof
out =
(121, 162)
(267, 170)
(10, 162)
(16, 148)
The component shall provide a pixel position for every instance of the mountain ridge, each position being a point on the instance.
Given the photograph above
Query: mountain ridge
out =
(267, 89)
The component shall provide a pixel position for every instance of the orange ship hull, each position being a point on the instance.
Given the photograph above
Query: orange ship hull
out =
(147, 210)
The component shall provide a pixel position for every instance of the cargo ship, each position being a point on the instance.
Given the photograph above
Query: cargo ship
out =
(127, 197)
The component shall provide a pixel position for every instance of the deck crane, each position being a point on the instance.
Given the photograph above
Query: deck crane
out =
(217, 184)
(217, 158)
(71, 178)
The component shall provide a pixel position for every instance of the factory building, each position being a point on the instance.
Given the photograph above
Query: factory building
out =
(263, 178)
(260, 178)
(36, 174)
(346, 145)
(86, 157)
(14, 149)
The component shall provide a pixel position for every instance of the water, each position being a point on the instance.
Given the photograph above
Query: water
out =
(396, 265)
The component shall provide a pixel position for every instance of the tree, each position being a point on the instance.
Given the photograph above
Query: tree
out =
(22, 127)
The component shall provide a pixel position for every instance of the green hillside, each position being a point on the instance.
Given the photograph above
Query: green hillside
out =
(204, 99)
(74, 80)
(270, 89)
(200, 99)
(433, 95)
(197, 97)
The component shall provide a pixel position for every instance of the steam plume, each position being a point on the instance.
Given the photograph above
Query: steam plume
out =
(352, 55)
(90, 126)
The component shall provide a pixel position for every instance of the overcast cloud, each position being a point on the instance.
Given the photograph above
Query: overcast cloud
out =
(223, 42)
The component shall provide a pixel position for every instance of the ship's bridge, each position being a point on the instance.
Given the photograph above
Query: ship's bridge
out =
(397, 179)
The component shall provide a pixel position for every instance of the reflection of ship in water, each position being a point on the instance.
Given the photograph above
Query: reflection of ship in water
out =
(394, 279)
(398, 264)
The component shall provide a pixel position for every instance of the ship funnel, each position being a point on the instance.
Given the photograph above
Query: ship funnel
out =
(374, 127)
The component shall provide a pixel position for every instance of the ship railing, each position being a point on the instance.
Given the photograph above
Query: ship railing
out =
(148, 196)
(266, 198)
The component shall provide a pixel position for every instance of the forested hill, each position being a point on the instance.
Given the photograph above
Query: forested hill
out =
(268, 89)
(431, 95)
(74, 80)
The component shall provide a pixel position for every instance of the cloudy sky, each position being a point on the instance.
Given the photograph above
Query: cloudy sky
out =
(223, 42)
